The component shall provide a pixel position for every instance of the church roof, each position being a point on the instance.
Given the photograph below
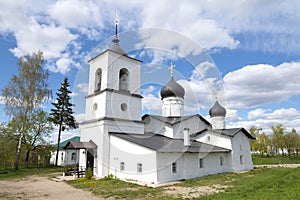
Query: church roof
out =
(115, 47)
(175, 120)
(172, 89)
(229, 132)
(165, 144)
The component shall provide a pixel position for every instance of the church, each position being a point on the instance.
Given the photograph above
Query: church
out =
(116, 139)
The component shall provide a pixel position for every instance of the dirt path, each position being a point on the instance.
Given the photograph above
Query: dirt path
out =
(39, 187)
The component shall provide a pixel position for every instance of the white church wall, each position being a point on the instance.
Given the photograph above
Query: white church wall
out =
(218, 122)
(172, 107)
(241, 153)
(130, 155)
(98, 62)
(188, 165)
(119, 126)
(194, 124)
(156, 126)
(61, 157)
(123, 106)
(96, 133)
(95, 106)
(69, 159)
(215, 139)
(118, 62)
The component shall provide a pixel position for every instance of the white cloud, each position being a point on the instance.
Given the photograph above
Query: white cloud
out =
(261, 84)
(151, 102)
(262, 118)
(80, 117)
(85, 16)
(83, 87)
(2, 101)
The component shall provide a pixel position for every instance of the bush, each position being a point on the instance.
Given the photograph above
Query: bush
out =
(110, 177)
(88, 173)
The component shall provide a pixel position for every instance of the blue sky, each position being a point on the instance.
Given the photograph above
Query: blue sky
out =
(244, 52)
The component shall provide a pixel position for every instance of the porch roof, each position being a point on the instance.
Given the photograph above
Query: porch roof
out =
(80, 145)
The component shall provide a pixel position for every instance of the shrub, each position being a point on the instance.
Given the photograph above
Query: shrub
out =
(88, 173)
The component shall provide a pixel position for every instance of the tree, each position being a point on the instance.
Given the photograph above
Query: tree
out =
(254, 131)
(8, 145)
(39, 129)
(291, 141)
(277, 137)
(264, 143)
(62, 113)
(25, 92)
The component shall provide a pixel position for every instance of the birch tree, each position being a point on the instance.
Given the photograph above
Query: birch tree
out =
(26, 92)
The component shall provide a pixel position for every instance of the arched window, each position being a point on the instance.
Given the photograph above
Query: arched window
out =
(124, 79)
(98, 77)
(73, 156)
(62, 156)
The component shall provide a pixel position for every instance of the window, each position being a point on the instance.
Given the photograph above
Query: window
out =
(73, 156)
(241, 160)
(201, 162)
(221, 161)
(174, 167)
(124, 79)
(139, 167)
(122, 166)
(62, 156)
(123, 106)
(98, 78)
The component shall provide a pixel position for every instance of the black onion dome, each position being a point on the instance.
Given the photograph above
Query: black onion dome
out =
(172, 89)
(217, 110)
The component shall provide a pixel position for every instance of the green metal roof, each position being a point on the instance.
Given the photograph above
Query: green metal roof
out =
(63, 144)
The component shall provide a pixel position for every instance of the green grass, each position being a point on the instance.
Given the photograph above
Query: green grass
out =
(11, 174)
(267, 184)
(275, 159)
(118, 189)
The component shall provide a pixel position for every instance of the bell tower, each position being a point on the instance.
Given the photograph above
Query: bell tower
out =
(113, 103)
(114, 85)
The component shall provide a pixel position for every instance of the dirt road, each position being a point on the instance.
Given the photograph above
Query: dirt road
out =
(41, 187)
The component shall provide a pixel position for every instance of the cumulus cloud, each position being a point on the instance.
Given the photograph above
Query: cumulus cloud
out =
(261, 84)
(83, 87)
(151, 102)
(265, 118)
(85, 16)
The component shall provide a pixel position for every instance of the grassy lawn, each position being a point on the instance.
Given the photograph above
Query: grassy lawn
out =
(275, 159)
(11, 174)
(273, 184)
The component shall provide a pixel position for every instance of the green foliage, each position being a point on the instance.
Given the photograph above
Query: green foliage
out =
(88, 173)
(277, 137)
(262, 143)
(8, 143)
(26, 92)
(62, 113)
(110, 177)
(275, 159)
